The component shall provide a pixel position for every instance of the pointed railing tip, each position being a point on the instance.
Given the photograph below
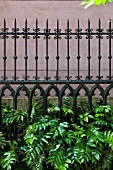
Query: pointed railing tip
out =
(89, 23)
(78, 22)
(26, 21)
(4, 20)
(109, 20)
(68, 23)
(36, 22)
(99, 22)
(57, 21)
(15, 21)
(47, 24)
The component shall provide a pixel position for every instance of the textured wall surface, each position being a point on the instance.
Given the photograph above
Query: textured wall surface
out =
(54, 10)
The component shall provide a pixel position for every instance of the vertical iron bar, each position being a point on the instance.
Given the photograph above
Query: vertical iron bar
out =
(29, 107)
(57, 57)
(47, 57)
(75, 107)
(45, 104)
(15, 123)
(15, 56)
(78, 57)
(89, 57)
(26, 57)
(110, 57)
(99, 50)
(5, 57)
(68, 57)
(36, 57)
(90, 102)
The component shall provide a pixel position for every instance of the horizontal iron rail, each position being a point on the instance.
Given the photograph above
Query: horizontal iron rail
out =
(52, 33)
(57, 82)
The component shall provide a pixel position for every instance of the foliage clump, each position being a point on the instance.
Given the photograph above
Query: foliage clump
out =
(59, 140)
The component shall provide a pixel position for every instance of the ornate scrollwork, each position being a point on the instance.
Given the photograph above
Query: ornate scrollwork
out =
(68, 33)
(110, 33)
(99, 32)
(47, 33)
(4, 33)
(15, 32)
(57, 33)
(88, 33)
(78, 33)
(37, 32)
(26, 33)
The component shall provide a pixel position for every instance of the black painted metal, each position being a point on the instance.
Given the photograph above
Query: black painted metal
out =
(110, 56)
(36, 56)
(47, 37)
(4, 57)
(78, 31)
(68, 32)
(57, 37)
(99, 30)
(15, 37)
(37, 34)
(73, 85)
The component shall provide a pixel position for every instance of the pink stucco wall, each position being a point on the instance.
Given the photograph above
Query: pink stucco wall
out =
(54, 10)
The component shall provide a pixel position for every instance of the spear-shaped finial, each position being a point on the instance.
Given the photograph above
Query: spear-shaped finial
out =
(15, 23)
(57, 24)
(68, 23)
(26, 23)
(47, 24)
(4, 23)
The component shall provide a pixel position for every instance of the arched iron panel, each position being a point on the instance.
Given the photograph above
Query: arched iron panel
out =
(31, 96)
(108, 89)
(23, 88)
(37, 87)
(106, 93)
(64, 88)
(100, 88)
(7, 87)
(76, 94)
(50, 88)
(80, 87)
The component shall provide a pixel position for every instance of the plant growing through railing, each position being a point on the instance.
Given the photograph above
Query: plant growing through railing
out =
(48, 142)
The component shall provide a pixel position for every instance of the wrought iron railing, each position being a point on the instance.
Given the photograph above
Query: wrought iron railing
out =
(67, 83)
(37, 34)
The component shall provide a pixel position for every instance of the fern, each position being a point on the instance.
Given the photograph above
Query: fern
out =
(9, 159)
(2, 141)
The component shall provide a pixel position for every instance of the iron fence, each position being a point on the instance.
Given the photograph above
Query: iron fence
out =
(73, 84)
